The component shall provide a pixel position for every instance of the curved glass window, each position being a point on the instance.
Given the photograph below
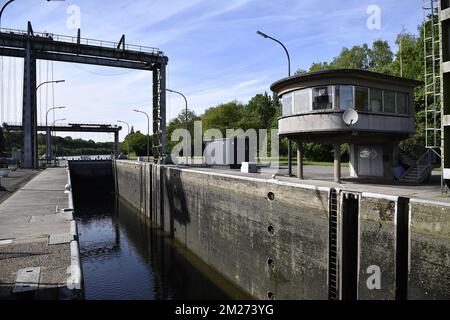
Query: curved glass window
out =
(362, 99)
(389, 101)
(322, 98)
(344, 97)
(376, 100)
(302, 101)
(402, 103)
(286, 104)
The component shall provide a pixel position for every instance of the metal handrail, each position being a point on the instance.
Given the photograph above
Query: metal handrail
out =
(85, 41)
(422, 165)
(425, 162)
(68, 125)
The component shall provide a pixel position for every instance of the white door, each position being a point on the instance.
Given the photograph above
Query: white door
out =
(370, 161)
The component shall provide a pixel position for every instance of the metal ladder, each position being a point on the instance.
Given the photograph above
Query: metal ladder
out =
(333, 288)
(434, 82)
(432, 76)
(157, 133)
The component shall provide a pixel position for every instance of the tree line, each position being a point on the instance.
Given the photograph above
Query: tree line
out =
(263, 110)
(11, 141)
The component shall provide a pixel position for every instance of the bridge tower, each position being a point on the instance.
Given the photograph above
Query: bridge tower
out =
(44, 46)
(29, 113)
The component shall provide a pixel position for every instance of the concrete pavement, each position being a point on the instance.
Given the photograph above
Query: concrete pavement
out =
(31, 220)
(322, 176)
(14, 181)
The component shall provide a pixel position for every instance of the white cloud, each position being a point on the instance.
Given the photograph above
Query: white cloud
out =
(215, 55)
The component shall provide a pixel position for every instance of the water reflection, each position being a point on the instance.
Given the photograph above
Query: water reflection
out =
(124, 257)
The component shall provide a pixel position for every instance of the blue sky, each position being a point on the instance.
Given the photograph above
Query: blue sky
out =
(215, 54)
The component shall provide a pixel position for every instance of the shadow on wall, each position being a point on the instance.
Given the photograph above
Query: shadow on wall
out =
(176, 198)
(177, 274)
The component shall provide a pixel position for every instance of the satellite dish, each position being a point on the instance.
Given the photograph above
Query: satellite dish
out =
(350, 117)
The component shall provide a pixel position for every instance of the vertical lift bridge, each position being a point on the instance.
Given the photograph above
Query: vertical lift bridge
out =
(31, 46)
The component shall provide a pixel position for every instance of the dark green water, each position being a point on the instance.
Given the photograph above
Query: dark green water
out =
(124, 257)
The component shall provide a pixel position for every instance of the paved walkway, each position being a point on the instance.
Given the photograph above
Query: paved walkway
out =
(14, 181)
(32, 219)
(319, 176)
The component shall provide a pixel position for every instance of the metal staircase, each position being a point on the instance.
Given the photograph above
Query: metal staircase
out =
(421, 170)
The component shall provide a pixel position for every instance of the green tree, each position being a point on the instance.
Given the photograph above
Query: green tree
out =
(355, 58)
(180, 123)
(138, 144)
(380, 56)
(259, 112)
(224, 116)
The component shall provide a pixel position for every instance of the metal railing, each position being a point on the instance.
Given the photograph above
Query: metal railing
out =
(425, 163)
(423, 166)
(67, 125)
(85, 41)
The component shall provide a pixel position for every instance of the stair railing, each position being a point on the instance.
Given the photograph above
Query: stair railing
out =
(425, 163)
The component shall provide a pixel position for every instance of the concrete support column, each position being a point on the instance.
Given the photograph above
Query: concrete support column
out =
(395, 153)
(289, 157)
(29, 113)
(300, 154)
(337, 163)
(48, 145)
(116, 144)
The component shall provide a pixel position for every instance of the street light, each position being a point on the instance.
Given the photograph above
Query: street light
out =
(262, 34)
(48, 144)
(148, 132)
(53, 131)
(47, 82)
(128, 126)
(3, 8)
(187, 124)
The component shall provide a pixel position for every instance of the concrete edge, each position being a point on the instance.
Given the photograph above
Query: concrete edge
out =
(272, 181)
(380, 196)
(303, 186)
(75, 280)
(429, 202)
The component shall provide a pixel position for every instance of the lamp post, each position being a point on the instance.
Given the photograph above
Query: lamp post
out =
(148, 132)
(47, 147)
(48, 82)
(262, 34)
(128, 126)
(187, 145)
(48, 132)
(3, 9)
(53, 131)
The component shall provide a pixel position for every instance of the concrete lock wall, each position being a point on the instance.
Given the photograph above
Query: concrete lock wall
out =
(379, 220)
(270, 248)
(272, 238)
(230, 222)
(429, 259)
